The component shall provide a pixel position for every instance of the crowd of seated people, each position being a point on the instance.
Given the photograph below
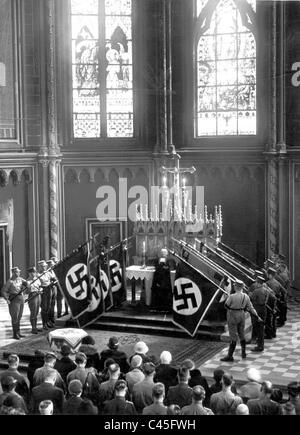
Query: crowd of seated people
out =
(114, 383)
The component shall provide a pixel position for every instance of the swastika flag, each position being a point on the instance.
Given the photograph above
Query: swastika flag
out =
(73, 281)
(193, 295)
(118, 274)
(96, 306)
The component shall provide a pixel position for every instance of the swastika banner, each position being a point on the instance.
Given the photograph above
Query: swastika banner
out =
(73, 281)
(118, 275)
(96, 306)
(193, 294)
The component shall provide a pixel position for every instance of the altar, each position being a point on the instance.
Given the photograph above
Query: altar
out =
(145, 274)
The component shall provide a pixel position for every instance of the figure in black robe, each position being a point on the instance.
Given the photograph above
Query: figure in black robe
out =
(161, 291)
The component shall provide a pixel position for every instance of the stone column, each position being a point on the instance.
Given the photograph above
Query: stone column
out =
(53, 147)
(53, 208)
(44, 207)
(164, 73)
(277, 206)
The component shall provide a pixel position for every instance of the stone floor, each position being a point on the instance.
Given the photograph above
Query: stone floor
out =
(280, 361)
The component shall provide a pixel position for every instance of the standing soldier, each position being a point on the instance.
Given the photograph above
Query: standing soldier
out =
(270, 329)
(236, 305)
(259, 299)
(281, 295)
(53, 289)
(13, 294)
(45, 279)
(34, 297)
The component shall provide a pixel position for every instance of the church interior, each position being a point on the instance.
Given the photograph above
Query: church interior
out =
(101, 100)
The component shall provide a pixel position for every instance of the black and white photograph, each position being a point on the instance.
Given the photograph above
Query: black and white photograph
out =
(149, 210)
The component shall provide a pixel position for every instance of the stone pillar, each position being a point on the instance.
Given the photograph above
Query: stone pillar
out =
(43, 207)
(53, 147)
(53, 208)
(164, 73)
(277, 181)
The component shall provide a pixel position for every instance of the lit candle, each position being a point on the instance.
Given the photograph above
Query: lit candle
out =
(146, 212)
(183, 182)
(165, 181)
(144, 247)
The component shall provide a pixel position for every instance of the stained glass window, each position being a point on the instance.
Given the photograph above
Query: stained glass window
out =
(7, 74)
(226, 69)
(102, 69)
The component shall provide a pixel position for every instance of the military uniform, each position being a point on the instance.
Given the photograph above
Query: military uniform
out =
(45, 279)
(271, 304)
(259, 299)
(34, 300)
(53, 291)
(12, 293)
(281, 296)
(236, 305)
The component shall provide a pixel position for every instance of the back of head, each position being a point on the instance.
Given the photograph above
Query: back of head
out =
(158, 390)
(183, 374)
(218, 374)
(120, 388)
(75, 387)
(293, 389)
(276, 395)
(13, 360)
(188, 364)
(288, 409)
(8, 383)
(266, 387)
(46, 407)
(165, 357)
(227, 380)
(136, 361)
(80, 358)
(108, 362)
(149, 369)
(88, 339)
(65, 350)
(198, 393)
(114, 370)
(242, 409)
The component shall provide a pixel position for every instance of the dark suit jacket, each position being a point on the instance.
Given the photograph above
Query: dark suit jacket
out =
(198, 379)
(118, 406)
(64, 366)
(47, 391)
(180, 395)
(166, 374)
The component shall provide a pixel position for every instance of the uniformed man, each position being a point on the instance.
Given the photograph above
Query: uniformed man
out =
(259, 277)
(236, 305)
(45, 279)
(34, 291)
(259, 298)
(51, 264)
(281, 295)
(270, 327)
(13, 294)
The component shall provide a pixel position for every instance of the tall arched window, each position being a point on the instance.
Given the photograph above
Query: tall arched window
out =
(102, 68)
(225, 36)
